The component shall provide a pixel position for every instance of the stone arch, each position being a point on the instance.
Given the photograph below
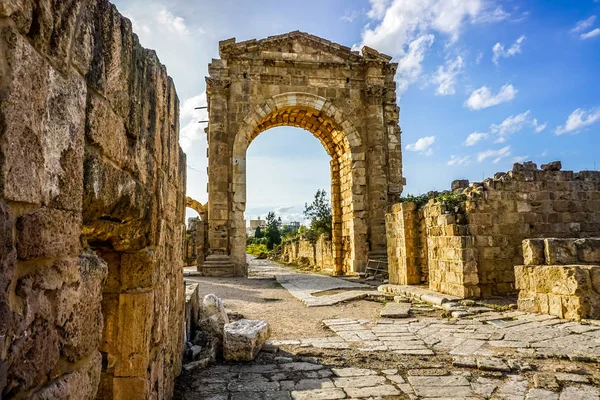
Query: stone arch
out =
(341, 142)
(345, 99)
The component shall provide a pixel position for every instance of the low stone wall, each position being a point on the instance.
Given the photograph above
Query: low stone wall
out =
(318, 255)
(92, 184)
(560, 277)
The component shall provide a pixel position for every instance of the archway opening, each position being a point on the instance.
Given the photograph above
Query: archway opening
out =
(285, 167)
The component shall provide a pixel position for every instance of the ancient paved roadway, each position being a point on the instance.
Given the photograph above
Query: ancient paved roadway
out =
(493, 355)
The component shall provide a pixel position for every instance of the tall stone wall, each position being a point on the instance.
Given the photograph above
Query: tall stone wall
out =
(92, 184)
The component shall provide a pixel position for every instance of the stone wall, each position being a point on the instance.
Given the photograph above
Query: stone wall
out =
(560, 277)
(304, 252)
(92, 184)
(195, 238)
(472, 250)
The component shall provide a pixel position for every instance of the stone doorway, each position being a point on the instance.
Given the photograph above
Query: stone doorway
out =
(345, 99)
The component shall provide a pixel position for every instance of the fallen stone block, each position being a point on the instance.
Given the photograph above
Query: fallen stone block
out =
(396, 310)
(214, 316)
(243, 339)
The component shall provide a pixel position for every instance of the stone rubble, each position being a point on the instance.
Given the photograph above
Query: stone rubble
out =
(243, 339)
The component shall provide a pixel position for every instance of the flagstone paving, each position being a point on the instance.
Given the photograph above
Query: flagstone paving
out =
(485, 355)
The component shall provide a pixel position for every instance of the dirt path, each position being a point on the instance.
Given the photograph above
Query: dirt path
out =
(261, 297)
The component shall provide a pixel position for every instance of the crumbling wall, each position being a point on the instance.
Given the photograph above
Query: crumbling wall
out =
(92, 184)
(319, 255)
(473, 249)
(560, 277)
(527, 203)
(194, 242)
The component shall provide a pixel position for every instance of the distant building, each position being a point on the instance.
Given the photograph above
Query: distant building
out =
(256, 223)
(292, 226)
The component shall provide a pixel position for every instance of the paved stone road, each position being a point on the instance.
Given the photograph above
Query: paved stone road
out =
(491, 355)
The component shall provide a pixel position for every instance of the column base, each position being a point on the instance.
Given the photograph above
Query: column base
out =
(218, 265)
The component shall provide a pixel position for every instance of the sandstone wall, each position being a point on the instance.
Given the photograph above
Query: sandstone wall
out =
(194, 242)
(527, 203)
(91, 205)
(560, 277)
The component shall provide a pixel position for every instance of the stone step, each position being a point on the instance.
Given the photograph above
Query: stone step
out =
(419, 293)
(396, 310)
(217, 269)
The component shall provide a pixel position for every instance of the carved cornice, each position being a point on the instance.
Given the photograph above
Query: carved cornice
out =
(215, 85)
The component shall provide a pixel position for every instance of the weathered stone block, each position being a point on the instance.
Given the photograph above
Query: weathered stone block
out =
(243, 339)
(533, 251)
(588, 250)
(48, 233)
(560, 251)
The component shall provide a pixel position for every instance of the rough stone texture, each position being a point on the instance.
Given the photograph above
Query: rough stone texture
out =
(567, 291)
(92, 206)
(473, 251)
(194, 245)
(243, 339)
(346, 99)
(213, 316)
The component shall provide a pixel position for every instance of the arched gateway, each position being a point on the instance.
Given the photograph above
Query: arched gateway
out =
(345, 99)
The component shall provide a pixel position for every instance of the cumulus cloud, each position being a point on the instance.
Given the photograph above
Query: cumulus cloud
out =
(583, 25)
(511, 125)
(538, 127)
(445, 76)
(474, 138)
(590, 34)
(495, 155)
(483, 97)
(406, 29)
(500, 52)
(456, 160)
(578, 120)
(423, 145)
(172, 23)
(283, 209)
(191, 130)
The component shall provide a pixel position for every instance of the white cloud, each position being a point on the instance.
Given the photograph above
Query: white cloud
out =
(172, 23)
(445, 76)
(423, 145)
(519, 159)
(578, 120)
(475, 137)
(583, 25)
(283, 209)
(590, 34)
(483, 98)
(188, 116)
(490, 16)
(510, 125)
(456, 160)
(350, 15)
(495, 155)
(513, 50)
(405, 29)
(479, 58)
(538, 127)
(409, 66)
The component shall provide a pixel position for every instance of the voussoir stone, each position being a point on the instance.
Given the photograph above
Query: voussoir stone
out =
(243, 339)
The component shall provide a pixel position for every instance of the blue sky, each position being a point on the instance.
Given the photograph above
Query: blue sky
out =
(481, 84)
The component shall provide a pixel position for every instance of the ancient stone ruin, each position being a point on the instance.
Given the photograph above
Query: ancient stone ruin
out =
(92, 208)
(345, 99)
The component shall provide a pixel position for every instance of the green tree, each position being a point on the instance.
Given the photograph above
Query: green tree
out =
(272, 232)
(258, 233)
(319, 213)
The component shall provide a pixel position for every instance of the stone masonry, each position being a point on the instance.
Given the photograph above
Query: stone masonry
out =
(560, 277)
(92, 184)
(472, 251)
(345, 99)
(318, 255)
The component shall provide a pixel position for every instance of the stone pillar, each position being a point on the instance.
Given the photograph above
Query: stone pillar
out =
(376, 159)
(336, 213)
(403, 245)
(219, 160)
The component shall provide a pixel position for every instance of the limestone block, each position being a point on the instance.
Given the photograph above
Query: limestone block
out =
(79, 384)
(560, 251)
(8, 263)
(214, 316)
(588, 250)
(243, 339)
(533, 252)
(48, 233)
